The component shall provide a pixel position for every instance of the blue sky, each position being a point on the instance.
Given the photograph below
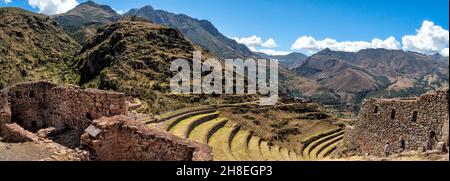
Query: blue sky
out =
(286, 21)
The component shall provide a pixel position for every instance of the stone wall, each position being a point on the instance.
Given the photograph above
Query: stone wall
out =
(15, 133)
(120, 138)
(29, 104)
(76, 108)
(41, 104)
(382, 120)
(5, 110)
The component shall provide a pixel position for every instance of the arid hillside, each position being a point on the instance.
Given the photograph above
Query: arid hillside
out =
(83, 21)
(33, 47)
(376, 72)
(134, 57)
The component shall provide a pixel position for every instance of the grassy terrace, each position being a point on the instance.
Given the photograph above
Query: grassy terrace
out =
(319, 140)
(275, 151)
(220, 145)
(167, 125)
(170, 115)
(327, 151)
(202, 132)
(182, 128)
(254, 149)
(232, 142)
(317, 150)
(239, 145)
(265, 151)
(285, 154)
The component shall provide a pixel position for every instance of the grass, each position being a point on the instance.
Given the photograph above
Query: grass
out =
(306, 152)
(220, 145)
(275, 151)
(201, 132)
(239, 145)
(283, 125)
(265, 151)
(181, 129)
(254, 149)
(179, 112)
(167, 125)
(327, 151)
(317, 150)
(285, 154)
(294, 156)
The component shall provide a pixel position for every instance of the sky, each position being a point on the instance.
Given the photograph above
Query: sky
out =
(307, 26)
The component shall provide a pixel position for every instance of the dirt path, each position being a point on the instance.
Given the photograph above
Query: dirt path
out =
(22, 152)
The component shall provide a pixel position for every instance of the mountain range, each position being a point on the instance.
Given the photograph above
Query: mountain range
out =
(389, 72)
(93, 46)
(84, 20)
(202, 32)
(32, 47)
(290, 61)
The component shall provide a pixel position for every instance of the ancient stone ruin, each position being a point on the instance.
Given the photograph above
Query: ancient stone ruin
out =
(413, 120)
(120, 138)
(45, 113)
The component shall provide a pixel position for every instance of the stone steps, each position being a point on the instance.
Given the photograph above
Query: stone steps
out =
(183, 127)
(204, 131)
(306, 151)
(317, 150)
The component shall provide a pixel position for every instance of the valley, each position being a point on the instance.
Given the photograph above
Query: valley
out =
(119, 66)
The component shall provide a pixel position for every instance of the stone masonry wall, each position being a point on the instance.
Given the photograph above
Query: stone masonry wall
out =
(15, 133)
(76, 108)
(29, 104)
(5, 109)
(120, 138)
(41, 104)
(382, 120)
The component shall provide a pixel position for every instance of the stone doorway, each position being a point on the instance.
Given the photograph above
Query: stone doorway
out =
(34, 127)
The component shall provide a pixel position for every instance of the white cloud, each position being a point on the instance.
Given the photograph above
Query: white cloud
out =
(390, 43)
(445, 52)
(430, 39)
(121, 12)
(311, 45)
(7, 1)
(270, 43)
(251, 41)
(256, 44)
(253, 49)
(272, 52)
(53, 6)
(256, 41)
